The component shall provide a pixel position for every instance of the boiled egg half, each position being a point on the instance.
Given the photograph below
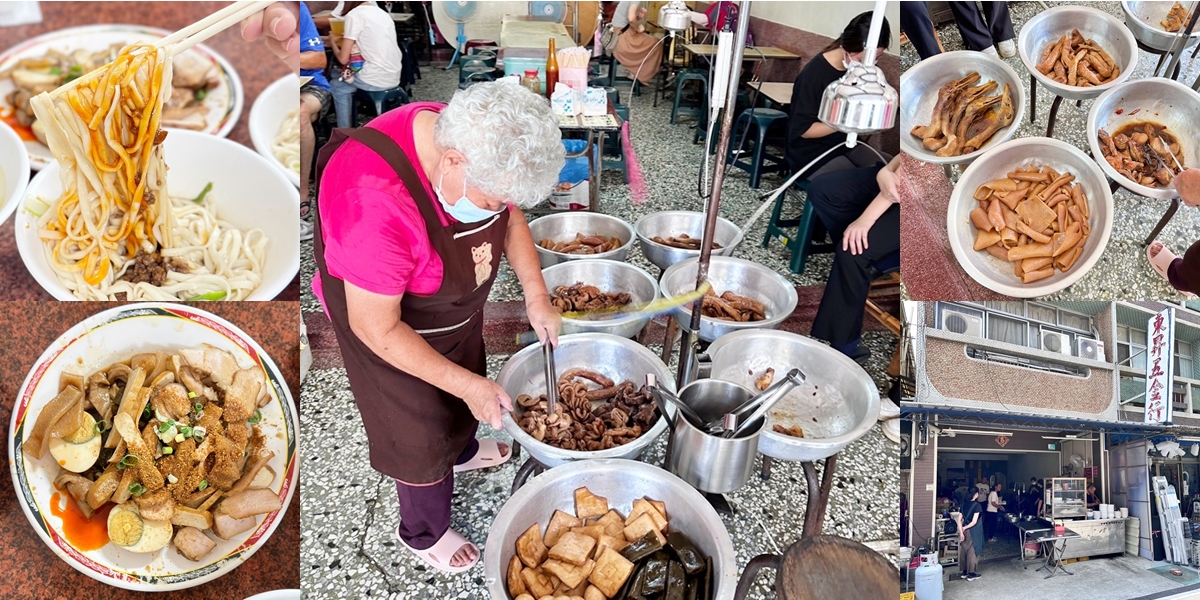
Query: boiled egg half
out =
(78, 452)
(127, 529)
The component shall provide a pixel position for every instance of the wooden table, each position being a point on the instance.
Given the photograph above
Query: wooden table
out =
(36, 572)
(594, 132)
(751, 52)
(523, 31)
(255, 64)
(777, 92)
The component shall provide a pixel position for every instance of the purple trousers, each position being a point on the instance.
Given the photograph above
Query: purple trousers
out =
(425, 510)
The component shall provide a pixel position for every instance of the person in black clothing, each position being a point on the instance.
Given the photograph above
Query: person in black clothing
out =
(1093, 501)
(970, 538)
(807, 136)
(987, 37)
(915, 21)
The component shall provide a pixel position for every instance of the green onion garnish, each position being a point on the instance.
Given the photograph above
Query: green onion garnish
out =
(129, 460)
(101, 426)
(200, 198)
(147, 413)
(74, 72)
(137, 489)
(197, 407)
(163, 427)
(203, 484)
(210, 296)
(55, 71)
(192, 395)
(201, 93)
(185, 430)
(168, 450)
(257, 418)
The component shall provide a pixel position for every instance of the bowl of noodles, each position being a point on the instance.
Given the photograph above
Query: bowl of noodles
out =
(275, 125)
(107, 221)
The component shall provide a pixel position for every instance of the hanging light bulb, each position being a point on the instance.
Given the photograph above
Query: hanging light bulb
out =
(861, 102)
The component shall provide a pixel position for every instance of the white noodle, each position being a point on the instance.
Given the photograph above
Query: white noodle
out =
(286, 145)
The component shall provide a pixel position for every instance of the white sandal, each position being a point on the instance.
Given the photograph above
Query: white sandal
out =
(486, 457)
(440, 554)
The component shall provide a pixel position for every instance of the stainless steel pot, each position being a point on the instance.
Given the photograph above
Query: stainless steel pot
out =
(743, 277)
(837, 404)
(672, 223)
(710, 463)
(614, 357)
(610, 276)
(1050, 25)
(564, 225)
(1142, 20)
(621, 482)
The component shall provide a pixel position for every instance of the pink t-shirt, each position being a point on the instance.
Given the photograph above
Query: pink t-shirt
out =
(374, 235)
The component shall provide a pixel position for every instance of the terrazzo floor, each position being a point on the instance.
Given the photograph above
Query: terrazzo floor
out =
(1123, 271)
(347, 519)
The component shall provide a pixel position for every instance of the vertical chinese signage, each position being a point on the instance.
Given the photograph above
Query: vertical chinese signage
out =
(1160, 345)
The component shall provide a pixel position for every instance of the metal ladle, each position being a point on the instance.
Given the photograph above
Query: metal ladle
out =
(758, 406)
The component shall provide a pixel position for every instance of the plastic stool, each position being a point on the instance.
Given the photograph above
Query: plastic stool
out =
(809, 230)
(761, 119)
(689, 109)
(381, 101)
(612, 145)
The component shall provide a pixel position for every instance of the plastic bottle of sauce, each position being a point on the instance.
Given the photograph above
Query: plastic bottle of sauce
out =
(551, 69)
(531, 82)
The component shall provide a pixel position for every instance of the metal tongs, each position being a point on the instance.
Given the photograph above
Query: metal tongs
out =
(662, 397)
(551, 378)
(757, 406)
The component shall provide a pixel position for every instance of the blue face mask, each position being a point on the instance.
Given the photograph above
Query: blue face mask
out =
(463, 211)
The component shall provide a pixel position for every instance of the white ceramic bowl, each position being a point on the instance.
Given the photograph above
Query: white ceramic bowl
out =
(997, 275)
(273, 104)
(248, 191)
(117, 334)
(14, 171)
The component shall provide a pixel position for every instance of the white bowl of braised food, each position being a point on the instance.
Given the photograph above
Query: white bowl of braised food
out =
(153, 447)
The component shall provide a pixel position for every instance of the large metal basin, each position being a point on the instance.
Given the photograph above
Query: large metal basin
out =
(671, 223)
(621, 482)
(742, 277)
(919, 90)
(563, 226)
(610, 276)
(837, 403)
(1161, 101)
(1049, 25)
(614, 357)
(996, 274)
(1142, 19)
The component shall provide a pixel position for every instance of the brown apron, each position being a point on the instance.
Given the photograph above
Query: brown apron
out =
(416, 431)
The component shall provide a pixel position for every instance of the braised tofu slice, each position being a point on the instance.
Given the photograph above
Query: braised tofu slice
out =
(613, 523)
(560, 523)
(592, 593)
(616, 542)
(592, 531)
(516, 585)
(641, 507)
(569, 574)
(537, 582)
(531, 549)
(640, 527)
(572, 548)
(610, 572)
(588, 504)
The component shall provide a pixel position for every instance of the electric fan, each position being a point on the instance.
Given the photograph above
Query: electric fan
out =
(548, 11)
(459, 11)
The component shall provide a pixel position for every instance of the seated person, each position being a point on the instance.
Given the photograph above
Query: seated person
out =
(315, 100)
(1183, 272)
(807, 136)
(370, 56)
(637, 51)
(860, 209)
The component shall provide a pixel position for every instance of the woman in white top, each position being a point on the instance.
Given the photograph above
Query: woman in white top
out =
(370, 38)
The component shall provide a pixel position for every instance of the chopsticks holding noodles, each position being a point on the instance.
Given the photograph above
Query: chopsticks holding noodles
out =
(189, 36)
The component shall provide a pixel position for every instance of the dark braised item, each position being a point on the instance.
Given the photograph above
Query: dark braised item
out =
(582, 244)
(151, 268)
(1141, 152)
(580, 297)
(656, 574)
(676, 581)
(732, 307)
(642, 547)
(794, 430)
(625, 413)
(1176, 17)
(691, 558)
(683, 241)
(1077, 61)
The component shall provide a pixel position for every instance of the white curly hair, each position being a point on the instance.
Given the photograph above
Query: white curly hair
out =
(510, 139)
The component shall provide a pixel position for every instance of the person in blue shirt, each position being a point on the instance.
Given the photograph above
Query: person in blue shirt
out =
(315, 100)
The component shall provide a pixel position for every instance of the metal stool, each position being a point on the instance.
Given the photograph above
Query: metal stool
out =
(381, 101)
(810, 232)
(761, 119)
(823, 566)
(689, 109)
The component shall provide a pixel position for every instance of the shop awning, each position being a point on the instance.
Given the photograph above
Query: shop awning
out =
(1014, 420)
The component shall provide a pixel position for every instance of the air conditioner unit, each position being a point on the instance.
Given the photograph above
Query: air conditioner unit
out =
(1090, 349)
(965, 323)
(1053, 341)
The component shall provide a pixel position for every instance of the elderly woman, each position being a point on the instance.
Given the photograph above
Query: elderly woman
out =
(1182, 272)
(414, 212)
(637, 51)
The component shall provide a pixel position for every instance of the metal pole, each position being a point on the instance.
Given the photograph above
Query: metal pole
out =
(688, 341)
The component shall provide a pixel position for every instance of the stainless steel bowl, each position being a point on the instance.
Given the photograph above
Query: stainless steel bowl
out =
(564, 225)
(610, 276)
(742, 277)
(671, 223)
(919, 90)
(1161, 101)
(837, 404)
(614, 357)
(621, 482)
(1049, 25)
(1142, 19)
(996, 274)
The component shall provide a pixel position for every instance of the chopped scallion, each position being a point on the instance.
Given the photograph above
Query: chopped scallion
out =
(209, 297)
(101, 426)
(192, 395)
(168, 450)
(164, 427)
(129, 460)
(137, 489)
(203, 193)
(203, 484)
(257, 417)
(197, 407)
